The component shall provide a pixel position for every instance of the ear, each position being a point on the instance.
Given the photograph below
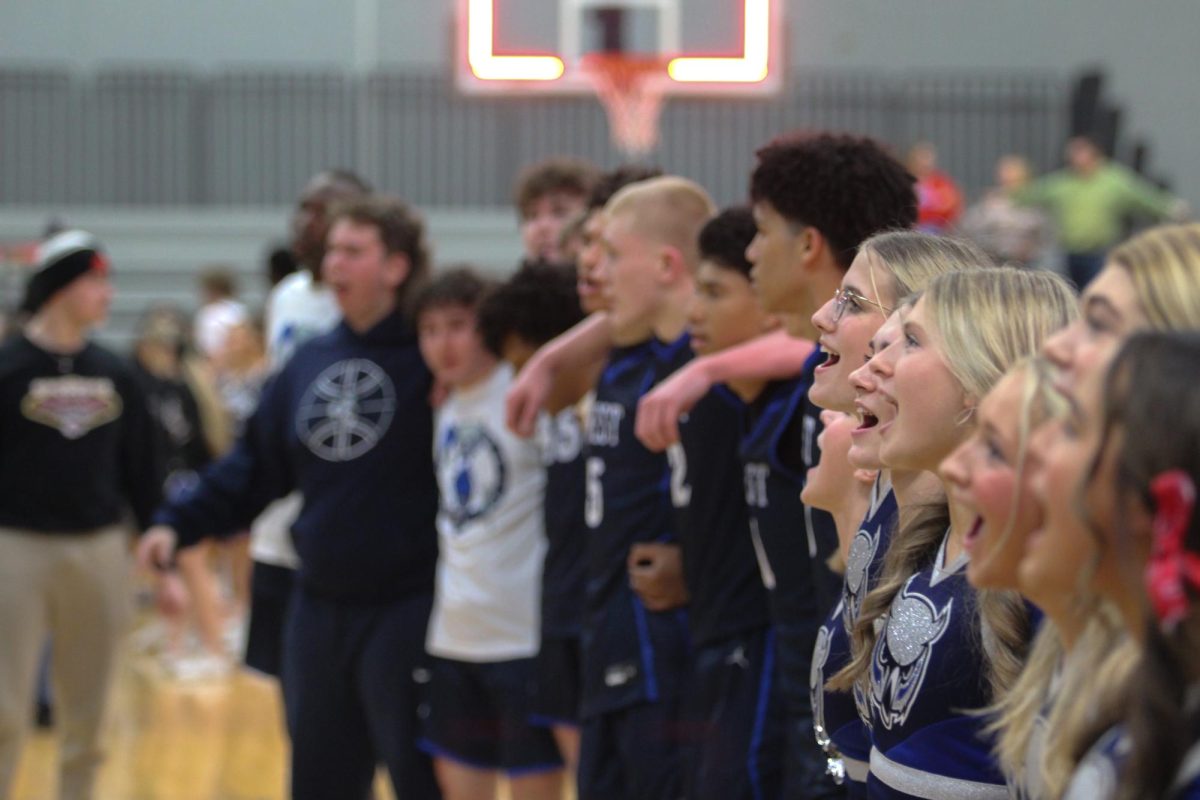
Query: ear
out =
(811, 247)
(671, 265)
(771, 323)
(396, 269)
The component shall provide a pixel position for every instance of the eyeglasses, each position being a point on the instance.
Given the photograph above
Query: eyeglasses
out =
(844, 296)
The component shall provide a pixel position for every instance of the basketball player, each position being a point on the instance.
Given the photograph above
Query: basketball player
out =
(635, 656)
(732, 710)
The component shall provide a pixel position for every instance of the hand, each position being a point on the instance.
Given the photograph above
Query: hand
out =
(171, 596)
(866, 476)
(659, 412)
(1180, 210)
(656, 574)
(527, 397)
(156, 548)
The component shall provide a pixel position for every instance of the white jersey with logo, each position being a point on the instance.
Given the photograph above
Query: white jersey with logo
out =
(491, 536)
(297, 310)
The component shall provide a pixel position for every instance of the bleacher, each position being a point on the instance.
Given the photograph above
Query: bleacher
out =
(157, 254)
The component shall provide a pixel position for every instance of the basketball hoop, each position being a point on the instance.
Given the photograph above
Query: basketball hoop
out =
(631, 96)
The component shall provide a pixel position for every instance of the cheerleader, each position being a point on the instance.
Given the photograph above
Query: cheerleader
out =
(1151, 282)
(1154, 535)
(924, 650)
(888, 267)
(990, 476)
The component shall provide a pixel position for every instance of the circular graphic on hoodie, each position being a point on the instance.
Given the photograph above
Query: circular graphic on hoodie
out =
(346, 410)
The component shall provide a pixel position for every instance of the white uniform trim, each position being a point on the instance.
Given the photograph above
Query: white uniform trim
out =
(919, 783)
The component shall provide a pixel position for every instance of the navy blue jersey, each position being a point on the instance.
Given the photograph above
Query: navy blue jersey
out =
(775, 429)
(727, 595)
(840, 728)
(818, 525)
(927, 679)
(630, 655)
(564, 569)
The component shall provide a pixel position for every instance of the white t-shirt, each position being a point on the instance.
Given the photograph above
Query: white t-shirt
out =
(297, 310)
(491, 537)
(213, 323)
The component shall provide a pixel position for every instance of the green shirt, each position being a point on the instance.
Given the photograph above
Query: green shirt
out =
(1088, 209)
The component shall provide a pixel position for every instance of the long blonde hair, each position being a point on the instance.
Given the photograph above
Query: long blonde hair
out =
(1015, 712)
(988, 320)
(1164, 265)
(911, 259)
(1092, 697)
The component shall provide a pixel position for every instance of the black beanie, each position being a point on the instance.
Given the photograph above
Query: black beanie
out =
(61, 259)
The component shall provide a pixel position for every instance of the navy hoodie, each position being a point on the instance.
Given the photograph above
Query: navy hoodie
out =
(347, 422)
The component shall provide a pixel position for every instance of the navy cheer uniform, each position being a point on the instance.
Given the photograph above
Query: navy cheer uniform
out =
(927, 682)
(1098, 774)
(732, 708)
(839, 725)
(634, 660)
(558, 669)
(779, 443)
(347, 422)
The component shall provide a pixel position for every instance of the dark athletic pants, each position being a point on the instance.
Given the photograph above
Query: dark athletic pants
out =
(350, 697)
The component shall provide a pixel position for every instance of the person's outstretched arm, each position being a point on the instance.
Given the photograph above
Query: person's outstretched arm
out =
(1140, 196)
(773, 356)
(231, 492)
(559, 374)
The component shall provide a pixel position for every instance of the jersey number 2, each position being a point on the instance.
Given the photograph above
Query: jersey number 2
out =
(681, 492)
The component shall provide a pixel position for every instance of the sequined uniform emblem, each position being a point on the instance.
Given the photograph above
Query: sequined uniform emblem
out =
(902, 655)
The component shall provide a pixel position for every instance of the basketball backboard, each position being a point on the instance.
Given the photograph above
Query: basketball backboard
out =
(531, 47)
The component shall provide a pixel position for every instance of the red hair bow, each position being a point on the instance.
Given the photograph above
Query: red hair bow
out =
(100, 264)
(1172, 566)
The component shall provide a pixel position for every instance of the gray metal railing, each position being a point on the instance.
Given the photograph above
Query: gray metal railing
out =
(163, 137)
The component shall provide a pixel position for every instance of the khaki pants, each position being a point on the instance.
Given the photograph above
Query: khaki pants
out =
(74, 588)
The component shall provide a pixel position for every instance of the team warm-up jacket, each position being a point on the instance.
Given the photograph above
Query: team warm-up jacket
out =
(347, 422)
(77, 444)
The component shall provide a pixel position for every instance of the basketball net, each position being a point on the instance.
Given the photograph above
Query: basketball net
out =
(631, 97)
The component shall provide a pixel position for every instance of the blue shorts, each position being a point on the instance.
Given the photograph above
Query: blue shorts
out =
(734, 717)
(477, 714)
(557, 686)
(632, 754)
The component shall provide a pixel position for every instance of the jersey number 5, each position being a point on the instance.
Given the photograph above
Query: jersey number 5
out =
(593, 503)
